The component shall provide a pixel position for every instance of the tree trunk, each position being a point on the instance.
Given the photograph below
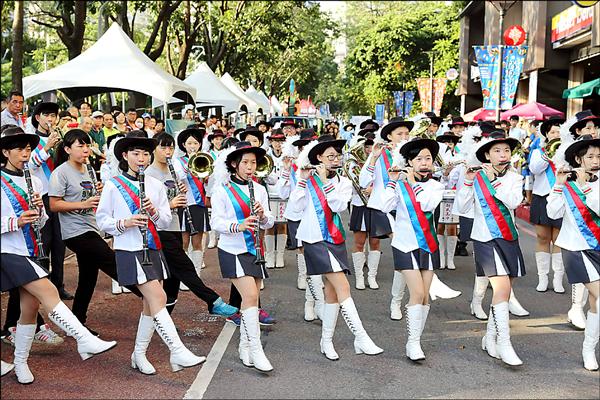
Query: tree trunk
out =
(17, 47)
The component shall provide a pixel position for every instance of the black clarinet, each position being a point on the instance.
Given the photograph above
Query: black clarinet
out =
(143, 229)
(186, 210)
(37, 229)
(260, 260)
(92, 174)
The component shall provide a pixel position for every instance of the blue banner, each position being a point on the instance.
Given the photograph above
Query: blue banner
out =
(488, 61)
(399, 102)
(409, 97)
(513, 58)
(379, 113)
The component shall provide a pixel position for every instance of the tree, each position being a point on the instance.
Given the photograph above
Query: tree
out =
(17, 47)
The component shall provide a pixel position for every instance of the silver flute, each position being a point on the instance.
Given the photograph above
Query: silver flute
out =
(37, 228)
(186, 210)
(143, 229)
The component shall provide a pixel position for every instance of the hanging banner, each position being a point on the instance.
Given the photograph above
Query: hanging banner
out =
(487, 60)
(379, 112)
(409, 97)
(424, 88)
(513, 58)
(399, 102)
(439, 88)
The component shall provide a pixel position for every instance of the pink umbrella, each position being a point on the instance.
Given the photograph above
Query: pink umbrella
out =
(534, 110)
(480, 113)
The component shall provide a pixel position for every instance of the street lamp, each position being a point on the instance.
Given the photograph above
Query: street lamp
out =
(430, 53)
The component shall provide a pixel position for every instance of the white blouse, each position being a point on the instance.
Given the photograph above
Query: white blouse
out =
(113, 211)
(538, 164)
(373, 175)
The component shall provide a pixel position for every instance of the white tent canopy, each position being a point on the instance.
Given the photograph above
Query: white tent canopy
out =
(277, 107)
(209, 89)
(262, 101)
(114, 63)
(235, 88)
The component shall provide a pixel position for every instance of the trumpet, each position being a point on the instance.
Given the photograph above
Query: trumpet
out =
(265, 167)
(60, 133)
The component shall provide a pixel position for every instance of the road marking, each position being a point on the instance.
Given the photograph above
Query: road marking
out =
(204, 377)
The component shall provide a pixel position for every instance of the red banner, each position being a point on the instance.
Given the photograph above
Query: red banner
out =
(424, 86)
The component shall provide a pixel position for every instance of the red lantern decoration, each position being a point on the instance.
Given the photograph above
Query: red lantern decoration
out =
(514, 36)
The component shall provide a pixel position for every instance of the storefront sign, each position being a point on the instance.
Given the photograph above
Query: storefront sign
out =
(571, 21)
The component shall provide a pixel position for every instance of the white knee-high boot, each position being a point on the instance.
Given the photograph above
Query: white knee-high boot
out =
(6, 367)
(450, 246)
(373, 264)
(88, 345)
(362, 341)
(301, 262)
(442, 246)
(398, 288)
(358, 261)
(515, 307)
(488, 342)
(414, 323)
(559, 272)
(180, 357)
(197, 257)
(315, 298)
(503, 343)
(441, 290)
(270, 251)
(212, 239)
(479, 289)
(330, 316)
(142, 341)
(590, 341)
(249, 327)
(543, 261)
(576, 316)
(23, 341)
(280, 251)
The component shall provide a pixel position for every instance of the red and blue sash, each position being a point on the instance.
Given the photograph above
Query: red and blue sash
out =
(550, 171)
(196, 184)
(587, 220)
(48, 165)
(131, 195)
(385, 163)
(293, 174)
(19, 202)
(422, 222)
(497, 217)
(241, 205)
(329, 222)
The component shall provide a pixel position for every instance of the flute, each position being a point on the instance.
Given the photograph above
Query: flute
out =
(37, 229)
(143, 230)
(186, 210)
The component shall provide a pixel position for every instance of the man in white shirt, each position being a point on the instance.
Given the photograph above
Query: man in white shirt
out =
(514, 131)
(12, 113)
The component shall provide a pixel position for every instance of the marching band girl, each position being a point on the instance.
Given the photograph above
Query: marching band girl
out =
(414, 244)
(493, 192)
(547, 229)
(320, 196)
(577, 201)
(23, 209)
(133, 216)
(237, 210)
(189, 141)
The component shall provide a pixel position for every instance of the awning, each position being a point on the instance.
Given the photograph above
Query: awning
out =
(586, 89)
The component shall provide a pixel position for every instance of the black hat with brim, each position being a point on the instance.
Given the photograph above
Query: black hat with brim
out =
(15, 134)
(363, 132)
(43, 107)
(574, 148)
(216, 133)
(448, 137)
(394, 123)
(242, 148)
(457, 121)
(480, 153)
(367, 122)
(134, 139)
(325, 142)
(253, 132)
(349, 125)
(546, 125)
(197, 133)
(420, 143)
(306, 136)
(436, 120)
(583, 122)
(288, 122)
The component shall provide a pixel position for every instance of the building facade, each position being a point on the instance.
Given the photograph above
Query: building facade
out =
(564, 50)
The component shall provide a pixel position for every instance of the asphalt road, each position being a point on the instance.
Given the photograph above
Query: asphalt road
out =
(455, 367)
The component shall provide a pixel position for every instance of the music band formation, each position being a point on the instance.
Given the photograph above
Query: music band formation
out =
(424, 184)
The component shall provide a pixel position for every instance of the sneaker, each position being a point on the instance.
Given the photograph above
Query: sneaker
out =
(235, 319)
(264, 318)
(223, 309)
(47, 336)
(10, 336)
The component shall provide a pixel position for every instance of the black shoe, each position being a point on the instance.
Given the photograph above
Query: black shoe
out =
(64, 295)
(461, 249)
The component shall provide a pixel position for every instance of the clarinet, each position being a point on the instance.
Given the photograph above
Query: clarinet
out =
(260, 260)
(92, 175)
(186, 210)
(37, 229)
(143, 230)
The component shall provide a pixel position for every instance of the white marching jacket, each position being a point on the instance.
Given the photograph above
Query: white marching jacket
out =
(113, 211)
(570, 237)
(538, 164)
(428, 194)
(457, 175)
(509, 190)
